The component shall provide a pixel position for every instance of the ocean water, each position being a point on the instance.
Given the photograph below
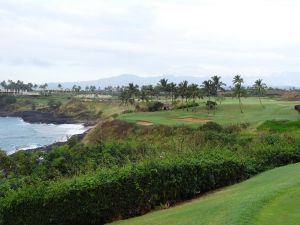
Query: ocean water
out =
(15, 134)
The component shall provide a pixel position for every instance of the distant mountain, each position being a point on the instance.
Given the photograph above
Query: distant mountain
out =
(127, 78)
(282, 80)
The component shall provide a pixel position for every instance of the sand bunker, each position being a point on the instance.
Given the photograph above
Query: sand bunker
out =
(191, 119)
(144, 123)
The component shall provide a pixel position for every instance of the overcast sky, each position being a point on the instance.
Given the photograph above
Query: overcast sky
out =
(72, 40)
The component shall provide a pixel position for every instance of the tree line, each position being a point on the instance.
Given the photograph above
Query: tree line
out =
(211, 88)
(19, 86)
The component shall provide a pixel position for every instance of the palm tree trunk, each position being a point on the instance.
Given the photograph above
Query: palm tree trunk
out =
(187, 107)
(240, 103)
(260, 101)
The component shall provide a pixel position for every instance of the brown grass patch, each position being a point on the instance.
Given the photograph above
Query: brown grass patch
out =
(191, 119)
(144, 123)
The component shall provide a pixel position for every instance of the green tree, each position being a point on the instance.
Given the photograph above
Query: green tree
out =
(260, 89)
(194, 91)
(133, 91)
(124, 97)
(172, 87)
(208, 88)
(59, 86)
(183, 91)
(239, 90)
(218, 87)
(164, 87)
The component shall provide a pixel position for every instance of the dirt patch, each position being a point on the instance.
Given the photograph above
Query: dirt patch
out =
(191, 119)
(144, 123)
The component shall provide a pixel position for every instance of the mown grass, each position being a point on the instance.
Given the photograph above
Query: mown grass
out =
(269, 198)
(226, 113)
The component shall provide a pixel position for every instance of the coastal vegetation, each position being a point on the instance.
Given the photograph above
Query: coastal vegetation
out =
(150, 148)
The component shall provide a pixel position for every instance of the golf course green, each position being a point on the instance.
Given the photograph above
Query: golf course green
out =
(226, 113)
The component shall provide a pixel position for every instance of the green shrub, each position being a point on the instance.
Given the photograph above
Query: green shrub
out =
(137, 170)
(136, 189)
(297, 108)
(115, 115)
(188, 105)
(155, 106)
(53, 104)
(212, 126)
(7, 100)
(120, 193)
(280, 125)
(127, 111)
(211, 104)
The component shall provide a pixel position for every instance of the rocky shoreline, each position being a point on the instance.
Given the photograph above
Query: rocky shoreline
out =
(47, 148)
(40, 117)
(46, 116)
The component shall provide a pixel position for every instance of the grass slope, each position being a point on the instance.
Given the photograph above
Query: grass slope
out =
(272, 197)
(227, 113)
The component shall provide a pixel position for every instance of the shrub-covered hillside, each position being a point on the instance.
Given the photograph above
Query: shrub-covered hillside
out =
(129, 171)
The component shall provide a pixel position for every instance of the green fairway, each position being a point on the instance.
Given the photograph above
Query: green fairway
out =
(272, 197)
(226, 113)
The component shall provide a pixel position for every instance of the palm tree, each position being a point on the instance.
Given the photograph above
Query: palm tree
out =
(74, 88)
(238, 89)
(143, 95)
(133, 91)
(172, 89)
(43, 87)
(4, 85)
(29, 87)
(260, 89)
(208, 88)
(194, 91)
(156, 91)
(59, 86)
(218, 86)
(150, 91)
(183, 90)
(163, 84)
(124, 97)
(93, 88)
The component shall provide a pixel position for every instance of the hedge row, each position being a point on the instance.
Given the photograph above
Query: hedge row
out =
(130, 191)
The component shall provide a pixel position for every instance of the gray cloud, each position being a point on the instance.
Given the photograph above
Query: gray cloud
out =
(29, 62)
(78, 40)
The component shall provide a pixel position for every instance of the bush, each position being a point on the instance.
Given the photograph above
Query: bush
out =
(212, 126)
(127, 111)
(54, 104)
(137, 188)
(115, 115)
(297, 108)
(7, 100)
(188, 105)
(155, 106)
(280, 125)
(211, 104)
(122, 193)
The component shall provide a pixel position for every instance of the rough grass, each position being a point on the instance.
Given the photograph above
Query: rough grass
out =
(280, 126)
(226, 113)
(272, 197)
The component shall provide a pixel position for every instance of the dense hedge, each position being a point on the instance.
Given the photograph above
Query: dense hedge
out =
(136, 189)
(121, 193)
